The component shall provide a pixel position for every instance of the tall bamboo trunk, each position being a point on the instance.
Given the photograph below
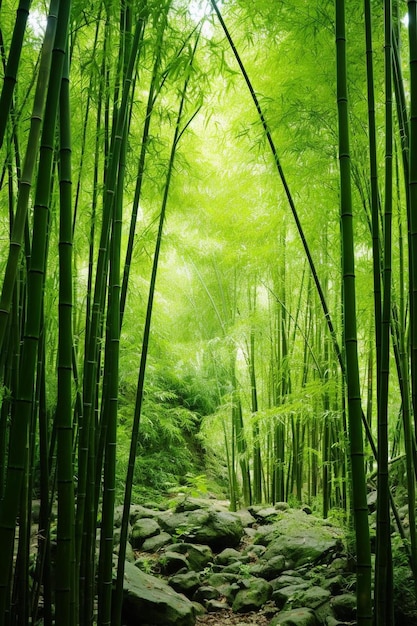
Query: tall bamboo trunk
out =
(360, 509)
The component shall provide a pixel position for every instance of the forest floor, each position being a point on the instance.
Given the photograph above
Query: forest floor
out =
(228, 618)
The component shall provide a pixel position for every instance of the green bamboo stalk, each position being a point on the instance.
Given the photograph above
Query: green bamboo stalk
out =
(65, 566)
(240, 437)
(42, 577)
(360, 509)
(412, 40)
(105, 571)
(256, 452)
(86, 118)
(375, 202)
(152, 95)
(383, 574)
(27, 171)
(19, 427)
(11, 70)
(118, 594)
(86, 440)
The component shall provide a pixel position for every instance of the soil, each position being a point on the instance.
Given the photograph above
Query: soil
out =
(228, 618)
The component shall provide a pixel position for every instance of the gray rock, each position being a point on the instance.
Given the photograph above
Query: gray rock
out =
(304, 547)
(190, 504)
(288, 594)
(217, 529)
(341, 564)
(186, 583)
(149, 600)
(285, 580)
(268, 514)
(269, 569)
(229, 591)
(295, 617)
(137, 511)
(212, 606)
(344, 606)
(205, 593)
(312, 598)
(253, 596)
(216, 580)
(238, 567)
(254, 551)
(172, 562)
(282, 506)
(245, 517)
(130, 555)
(228, 555)
(155, 543)
(198, 556)
(335, 584)
(143, 529)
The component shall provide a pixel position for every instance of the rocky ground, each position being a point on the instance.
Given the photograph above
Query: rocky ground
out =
(196, 563)
(228, 618)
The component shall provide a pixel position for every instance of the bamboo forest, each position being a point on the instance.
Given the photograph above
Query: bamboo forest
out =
(208, 312)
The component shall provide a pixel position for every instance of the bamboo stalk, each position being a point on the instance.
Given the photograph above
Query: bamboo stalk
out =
(360, 508)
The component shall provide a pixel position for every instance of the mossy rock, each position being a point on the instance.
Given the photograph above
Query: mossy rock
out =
(295, 617)
(149, 600)
(255, 593)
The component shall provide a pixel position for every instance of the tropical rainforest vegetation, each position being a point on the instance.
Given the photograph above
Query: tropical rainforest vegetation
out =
(209, 276)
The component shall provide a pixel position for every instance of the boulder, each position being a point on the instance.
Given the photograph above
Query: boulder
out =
(186, 583)
(253, 596)
(155, 543)
(312, 598)
(217, 529)
(245, 517)
(143, 529)
(288, 594)
(228, 555)
(344, 606)
(137, 511)
(197, 556)
(212, 606)
(286, 580)
(295, 617)
(265, 515)
(269, 569)
(152, 602)
(222, 578)
(303, 547)
(205, 593)
(282, 506)
(172, 562)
